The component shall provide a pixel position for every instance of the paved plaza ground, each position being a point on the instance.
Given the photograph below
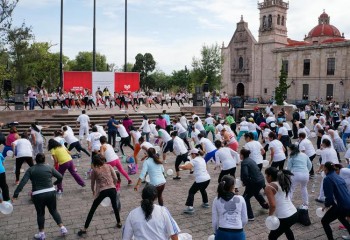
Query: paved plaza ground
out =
(76, 202)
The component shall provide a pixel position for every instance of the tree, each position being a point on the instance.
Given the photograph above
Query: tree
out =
(144, 64)
(18, 41)
(207, 69)
(159, 81)
(83, 62)
(281, 89)
(6, 9)
(180, 79)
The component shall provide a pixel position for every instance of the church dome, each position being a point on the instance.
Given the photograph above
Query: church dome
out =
(324, 30)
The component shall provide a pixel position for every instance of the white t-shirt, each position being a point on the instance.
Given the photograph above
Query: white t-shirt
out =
(265, 134)
(302, 115)
(283, 131)
(208, 145)
(230, 214)
(94, 139)
(183, 121)
(270, 119)
(145, 126)
(136, 135)
(279, 154)
(69, 137)
(209, 120)
(83, 119)
(287, 126)
(23, 148)
(60, 140)
(122, 131)
(194, 136)
(153, 130)
(179, 146)
(329, 155)
(164, 135)
(199, 126)
(227, 157)
(180, 129)
(244, 126)
(160, 227)
(69, 129)
(200, 169)
(219, 127)
(345, 123)
(146, 145)
(101, 130)
(307, 147)
(254, 147)
(325, 136)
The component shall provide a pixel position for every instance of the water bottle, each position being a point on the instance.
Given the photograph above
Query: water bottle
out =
(78, 162)
(313, 187)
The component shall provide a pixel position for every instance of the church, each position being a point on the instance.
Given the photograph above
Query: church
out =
(318, 66)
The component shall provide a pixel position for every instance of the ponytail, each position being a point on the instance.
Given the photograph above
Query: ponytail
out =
(225, 186)
(283, 177)
(149, 194)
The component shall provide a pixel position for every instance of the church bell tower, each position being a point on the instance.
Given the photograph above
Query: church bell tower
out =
(273, 21)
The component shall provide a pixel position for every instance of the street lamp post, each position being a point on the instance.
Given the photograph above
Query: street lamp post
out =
(126, 36)
(61, 47)
(94, 40)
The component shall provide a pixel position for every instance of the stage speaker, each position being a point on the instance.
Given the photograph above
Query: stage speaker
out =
(237, 102)
(205, 87)
(7, 85)
(198, 99)
(198, 90)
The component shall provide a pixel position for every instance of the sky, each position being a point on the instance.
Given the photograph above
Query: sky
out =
(173, 31)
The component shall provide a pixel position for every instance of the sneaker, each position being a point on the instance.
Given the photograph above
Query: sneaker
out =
(205, 205)
(265, 206)
(189, 210)
(176, 178)
(63, 231)
(345, 237)
(129, 182)
(251, 219)
(40, 236)
(319, 200)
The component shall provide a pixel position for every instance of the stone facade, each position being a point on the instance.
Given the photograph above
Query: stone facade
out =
(317, 67)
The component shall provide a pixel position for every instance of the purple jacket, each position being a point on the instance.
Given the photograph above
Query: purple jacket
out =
(127, 122)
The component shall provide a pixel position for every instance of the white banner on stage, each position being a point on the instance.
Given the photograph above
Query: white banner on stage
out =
(103, 80)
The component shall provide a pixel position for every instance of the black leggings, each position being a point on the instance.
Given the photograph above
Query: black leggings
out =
(126, 142)
(111, 138)
(48, 200)
(112, 194)
(231, 171)
(278, 164)
(334, 213)
(19, 162)
(4, 187)
(179, 159)
(78, 147)
(285, 224)
(194, 189)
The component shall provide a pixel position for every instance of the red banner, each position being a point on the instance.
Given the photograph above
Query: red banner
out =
(127, 81)
(77, 81)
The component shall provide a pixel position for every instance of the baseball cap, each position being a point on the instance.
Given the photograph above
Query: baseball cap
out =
(194, 150)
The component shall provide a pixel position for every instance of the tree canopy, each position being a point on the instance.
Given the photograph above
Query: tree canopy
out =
(144, 64)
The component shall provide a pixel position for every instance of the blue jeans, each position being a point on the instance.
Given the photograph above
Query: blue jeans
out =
(345, 137)
(225, 235)
(32, 103)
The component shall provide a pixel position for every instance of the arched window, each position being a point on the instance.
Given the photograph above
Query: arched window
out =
(278, 19)
(270, 21)
(282, 22)
(264, 25)
(240, 63)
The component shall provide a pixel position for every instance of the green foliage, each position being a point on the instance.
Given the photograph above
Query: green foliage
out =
(83, 62)
(282, 88)
(145, 64)
(207, 69)
(6, 10)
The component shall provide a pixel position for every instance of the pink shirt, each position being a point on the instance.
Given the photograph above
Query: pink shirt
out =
(161, 123)
(127, 123)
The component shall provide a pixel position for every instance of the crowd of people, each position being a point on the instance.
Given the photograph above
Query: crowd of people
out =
(197, 143)
(101, 99)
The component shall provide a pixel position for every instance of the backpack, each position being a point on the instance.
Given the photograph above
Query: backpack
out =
(130, 159)
(131, 168)
(303, 217)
